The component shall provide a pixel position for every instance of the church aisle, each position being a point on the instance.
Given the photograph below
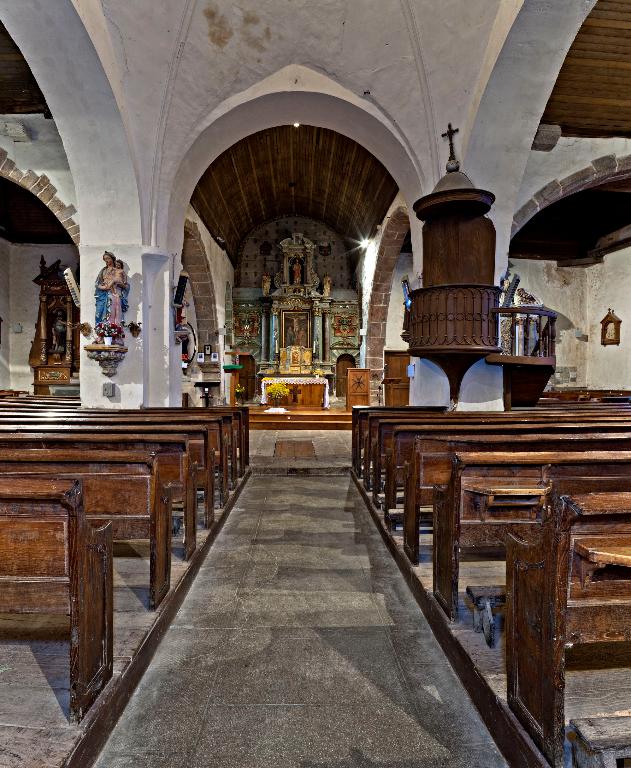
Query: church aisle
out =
(299, 644)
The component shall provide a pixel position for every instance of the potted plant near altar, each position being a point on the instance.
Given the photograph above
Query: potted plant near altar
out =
(239, 391)
(107, 333)
(276, 392)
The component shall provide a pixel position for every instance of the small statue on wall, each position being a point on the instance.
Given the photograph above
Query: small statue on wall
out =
(266, 284)
(111, 291)
(326, 286)
(59, 331)
(296, 270)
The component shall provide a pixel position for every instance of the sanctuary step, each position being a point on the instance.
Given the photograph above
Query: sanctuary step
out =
(300, 418)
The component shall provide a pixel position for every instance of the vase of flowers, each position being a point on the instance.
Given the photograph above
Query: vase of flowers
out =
(239, 391)
(276, 392)
(107, 332)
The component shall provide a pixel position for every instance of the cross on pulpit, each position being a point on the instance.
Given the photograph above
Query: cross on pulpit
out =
(295, 391)
(452, 163)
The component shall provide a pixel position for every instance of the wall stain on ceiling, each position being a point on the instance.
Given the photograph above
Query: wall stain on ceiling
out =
(219, 30)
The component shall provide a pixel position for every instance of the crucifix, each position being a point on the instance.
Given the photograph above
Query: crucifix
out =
(452, 163)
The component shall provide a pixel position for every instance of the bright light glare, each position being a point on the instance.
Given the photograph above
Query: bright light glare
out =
(296, 125)
(365, 243)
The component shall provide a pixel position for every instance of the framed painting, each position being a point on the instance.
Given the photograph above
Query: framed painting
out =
(295, 328)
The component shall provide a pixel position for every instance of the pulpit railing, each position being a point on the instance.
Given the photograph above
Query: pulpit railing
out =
(527, 331)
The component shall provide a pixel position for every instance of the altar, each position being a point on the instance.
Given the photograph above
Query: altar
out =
(306, 391)
(297, 327)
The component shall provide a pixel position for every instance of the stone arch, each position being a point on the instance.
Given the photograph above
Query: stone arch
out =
(497, 147)
(43, 189)
(392, 238)
(195, 262)
(293, 94)
(600, 170)
(75, 84)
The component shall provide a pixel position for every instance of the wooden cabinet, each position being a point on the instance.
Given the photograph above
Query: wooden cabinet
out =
(358, 387)
(396, 385)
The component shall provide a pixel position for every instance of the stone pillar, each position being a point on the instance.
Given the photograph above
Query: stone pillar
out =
(265, 335)
(151, 372)
(275, 336)
(317, 335)
(326, 340)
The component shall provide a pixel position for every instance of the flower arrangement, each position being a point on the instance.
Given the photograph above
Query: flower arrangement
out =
(239, 391)
(277, 391)
(105, 328)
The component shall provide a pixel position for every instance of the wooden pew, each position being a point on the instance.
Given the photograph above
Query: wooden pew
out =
(239, 417)
(209, 441)
(180, 472)
(358, 420)
(456, 526)
(373, 452)
(398, 439)
(435, 446)
(568, 585)
(52, 561)
(129, 489)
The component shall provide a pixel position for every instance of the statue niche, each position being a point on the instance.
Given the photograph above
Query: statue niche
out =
(54, 354)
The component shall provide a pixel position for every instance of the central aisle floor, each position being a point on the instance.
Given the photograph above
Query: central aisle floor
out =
(299, 644)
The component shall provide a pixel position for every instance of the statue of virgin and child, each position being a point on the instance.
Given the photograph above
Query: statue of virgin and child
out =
(111, 291)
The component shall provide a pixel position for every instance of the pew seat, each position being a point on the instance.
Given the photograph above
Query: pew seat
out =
(600, 742)
(53, 561)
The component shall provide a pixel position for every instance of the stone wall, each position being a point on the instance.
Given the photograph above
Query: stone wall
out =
(563, 289)
(261, 252)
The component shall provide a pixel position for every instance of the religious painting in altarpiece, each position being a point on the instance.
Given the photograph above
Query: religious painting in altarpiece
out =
(296, 328)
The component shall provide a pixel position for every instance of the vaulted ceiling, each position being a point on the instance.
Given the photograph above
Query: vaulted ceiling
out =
(19, 92)
(592, 95)
(288, 171)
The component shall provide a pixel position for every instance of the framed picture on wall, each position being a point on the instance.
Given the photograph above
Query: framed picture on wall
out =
(295, 328)
(214, 357)
(207, 349)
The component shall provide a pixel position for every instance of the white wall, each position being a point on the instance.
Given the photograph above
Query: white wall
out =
(44, 153)
(394, 323)
(609, 285)
(24, 303)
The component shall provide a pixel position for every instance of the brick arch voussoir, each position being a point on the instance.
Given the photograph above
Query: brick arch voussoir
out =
(195, 262)
(41, 186)
(599, 171)
(392, 238)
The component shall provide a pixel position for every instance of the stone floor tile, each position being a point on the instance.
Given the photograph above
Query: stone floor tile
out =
(299, 645)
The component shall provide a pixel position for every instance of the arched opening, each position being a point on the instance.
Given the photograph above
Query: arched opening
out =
(294, 210)
(395, 233)
(343, 363)
(40, 342)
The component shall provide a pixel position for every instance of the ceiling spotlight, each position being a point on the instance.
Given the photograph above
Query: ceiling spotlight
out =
(296, 125)
(365, 243)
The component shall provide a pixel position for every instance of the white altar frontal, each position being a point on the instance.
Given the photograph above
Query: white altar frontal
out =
(303, 390)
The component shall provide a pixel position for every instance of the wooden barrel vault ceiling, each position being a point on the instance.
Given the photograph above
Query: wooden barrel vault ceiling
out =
(592, 95)
(19, 92)
(289, 171)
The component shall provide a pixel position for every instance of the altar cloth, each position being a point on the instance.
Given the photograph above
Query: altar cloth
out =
(291, 380)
